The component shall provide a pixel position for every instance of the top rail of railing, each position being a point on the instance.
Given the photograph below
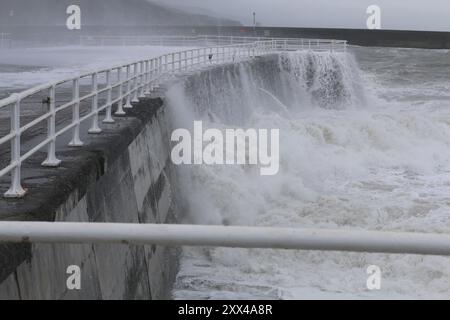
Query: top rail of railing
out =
(201, 40)
(98, 91)
(227, 236)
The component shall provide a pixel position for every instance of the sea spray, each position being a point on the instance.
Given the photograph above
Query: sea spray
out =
(343, 164)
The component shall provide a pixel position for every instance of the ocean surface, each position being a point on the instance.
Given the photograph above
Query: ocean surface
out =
(365, 146)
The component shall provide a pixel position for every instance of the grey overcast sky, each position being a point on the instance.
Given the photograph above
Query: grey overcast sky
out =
(396, 14)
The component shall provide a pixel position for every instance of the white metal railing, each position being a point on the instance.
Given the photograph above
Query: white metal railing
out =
(221, 236)
(205, 41)
(119, 85)
(5, 41)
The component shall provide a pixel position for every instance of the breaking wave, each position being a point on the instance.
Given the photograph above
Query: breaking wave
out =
(349, 159)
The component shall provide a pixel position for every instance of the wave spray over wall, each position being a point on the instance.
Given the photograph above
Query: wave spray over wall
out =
(348, 159)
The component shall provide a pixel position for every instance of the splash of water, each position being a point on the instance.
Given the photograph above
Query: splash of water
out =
(345, 163)
(283, 107)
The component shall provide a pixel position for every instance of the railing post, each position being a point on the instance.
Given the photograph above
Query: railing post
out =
(120, 111)
(156, 72)
(160, 69)
(108, 117)
(183, 61)
(95, 129)
(188, 60)
(51, 160)
(128, 93)
(173, 62)
(15, 190)
(166, 63)
(76, 142)
(135, 83)
(153, 73)
(142, 79)
(148, 76)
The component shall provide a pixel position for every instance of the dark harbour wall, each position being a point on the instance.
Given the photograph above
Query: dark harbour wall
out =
(49, 35)
(360, 37)
(124, 175)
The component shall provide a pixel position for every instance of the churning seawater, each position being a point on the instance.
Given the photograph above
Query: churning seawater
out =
(364, 144)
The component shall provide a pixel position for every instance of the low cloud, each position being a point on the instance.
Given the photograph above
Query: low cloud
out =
(396, 14)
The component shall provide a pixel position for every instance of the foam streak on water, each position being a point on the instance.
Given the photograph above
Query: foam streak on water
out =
(353, 156)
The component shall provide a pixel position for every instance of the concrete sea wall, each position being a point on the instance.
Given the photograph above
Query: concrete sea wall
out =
(125, 177)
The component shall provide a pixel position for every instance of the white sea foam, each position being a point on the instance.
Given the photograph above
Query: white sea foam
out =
(350, 159)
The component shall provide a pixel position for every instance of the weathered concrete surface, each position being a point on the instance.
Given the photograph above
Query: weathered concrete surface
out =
(122, 175)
